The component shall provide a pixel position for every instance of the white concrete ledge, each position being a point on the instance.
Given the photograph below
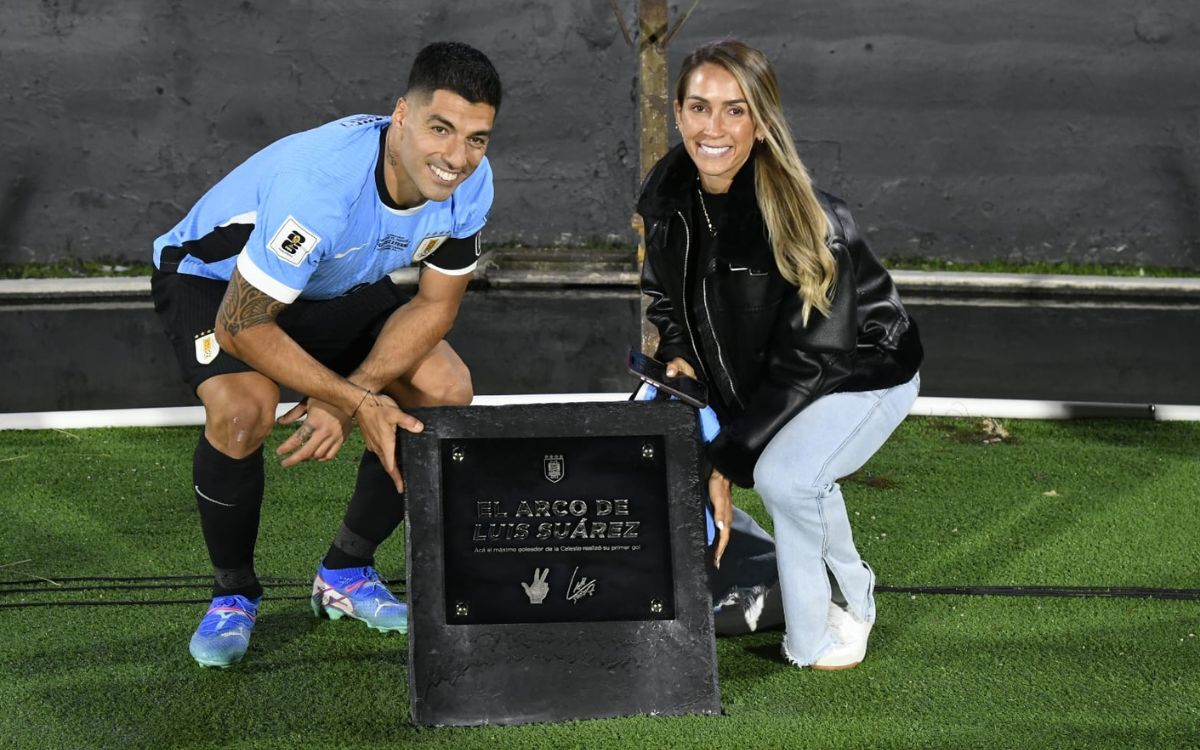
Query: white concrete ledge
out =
(182, 416)
(934, 406)
(48, 290)
(925, 406)
(996, 283)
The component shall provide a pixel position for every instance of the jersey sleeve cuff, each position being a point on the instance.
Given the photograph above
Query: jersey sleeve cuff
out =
(462, 234)
(452, 271)
(259, 279)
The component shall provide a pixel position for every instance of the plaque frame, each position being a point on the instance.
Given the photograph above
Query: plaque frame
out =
(474, 674)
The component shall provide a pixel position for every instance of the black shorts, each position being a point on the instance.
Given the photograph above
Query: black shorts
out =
(338, 333)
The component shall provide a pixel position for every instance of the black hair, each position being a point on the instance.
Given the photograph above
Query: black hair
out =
(458, 68)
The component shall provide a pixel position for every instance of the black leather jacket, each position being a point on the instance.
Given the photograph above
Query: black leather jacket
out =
(761, 363)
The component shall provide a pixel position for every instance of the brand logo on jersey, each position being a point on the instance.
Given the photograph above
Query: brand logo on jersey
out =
(391, 242)
(428, 245)
(360, 120)
(207, 347)
(293, 242)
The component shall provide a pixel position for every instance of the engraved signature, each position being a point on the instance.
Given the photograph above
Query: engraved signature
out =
(585, 587)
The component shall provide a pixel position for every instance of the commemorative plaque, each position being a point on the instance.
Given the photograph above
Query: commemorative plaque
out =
(556, 564)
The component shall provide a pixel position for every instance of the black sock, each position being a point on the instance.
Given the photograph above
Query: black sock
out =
(229, 493)
(375, 510)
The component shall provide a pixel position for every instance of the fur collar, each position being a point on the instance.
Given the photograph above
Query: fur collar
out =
(671, 186)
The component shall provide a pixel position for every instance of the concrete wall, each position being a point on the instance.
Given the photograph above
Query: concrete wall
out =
(963, 129)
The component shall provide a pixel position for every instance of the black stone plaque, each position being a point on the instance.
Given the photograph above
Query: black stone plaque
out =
(556, 564)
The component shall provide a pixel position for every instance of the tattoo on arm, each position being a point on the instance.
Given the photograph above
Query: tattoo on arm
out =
(244, 306)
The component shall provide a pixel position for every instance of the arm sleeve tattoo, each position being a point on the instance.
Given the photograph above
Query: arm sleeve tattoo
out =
(246, 306)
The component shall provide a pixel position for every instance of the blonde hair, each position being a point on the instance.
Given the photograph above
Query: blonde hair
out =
(796, 224)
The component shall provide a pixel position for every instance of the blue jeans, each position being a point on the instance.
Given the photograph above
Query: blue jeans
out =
(797, 478)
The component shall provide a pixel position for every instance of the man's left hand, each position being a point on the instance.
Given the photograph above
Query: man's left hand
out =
(319, 438)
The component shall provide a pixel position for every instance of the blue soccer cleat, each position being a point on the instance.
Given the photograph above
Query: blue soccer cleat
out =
(224, 632)
(358, 593)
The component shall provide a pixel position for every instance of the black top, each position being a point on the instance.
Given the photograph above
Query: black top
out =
(743, 327)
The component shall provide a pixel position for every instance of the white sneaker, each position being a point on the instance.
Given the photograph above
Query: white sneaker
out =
(850, 641)
(845, 626)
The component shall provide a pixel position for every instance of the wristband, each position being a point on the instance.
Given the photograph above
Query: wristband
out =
(366, 392)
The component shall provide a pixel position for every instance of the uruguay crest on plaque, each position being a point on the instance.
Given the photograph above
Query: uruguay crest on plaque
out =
(554, 468)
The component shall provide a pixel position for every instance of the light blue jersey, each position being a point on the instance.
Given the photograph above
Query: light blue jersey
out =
(309, 217)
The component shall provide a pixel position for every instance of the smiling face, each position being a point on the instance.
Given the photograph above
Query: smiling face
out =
(434, 143)
(714, 120)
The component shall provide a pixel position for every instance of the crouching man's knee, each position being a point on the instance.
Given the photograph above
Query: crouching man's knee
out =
(237, 419)
(441, 379)
(457, 389)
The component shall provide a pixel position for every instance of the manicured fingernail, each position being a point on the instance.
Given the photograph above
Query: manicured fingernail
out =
(721, 525)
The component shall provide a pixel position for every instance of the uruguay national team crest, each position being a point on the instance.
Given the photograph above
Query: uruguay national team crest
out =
(207, 348)
(554, 468)
(427, 246)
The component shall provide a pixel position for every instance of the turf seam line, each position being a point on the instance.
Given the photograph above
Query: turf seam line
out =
(140, 587)
(129, 603)
(983, 589)
(1077, 592)
(7, 587)
(49, 580)
(1110, 592)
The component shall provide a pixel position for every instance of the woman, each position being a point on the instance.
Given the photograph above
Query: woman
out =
(765, 289)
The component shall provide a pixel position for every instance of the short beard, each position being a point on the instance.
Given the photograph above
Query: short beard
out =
(392, 159)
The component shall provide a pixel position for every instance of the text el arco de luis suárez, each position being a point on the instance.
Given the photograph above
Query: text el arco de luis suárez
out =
(597, 518)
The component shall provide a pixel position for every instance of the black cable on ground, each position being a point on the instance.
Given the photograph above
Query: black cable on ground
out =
(55, 579)
(47, 585)
(127, 603)
(50, 583)
(1101, 592)
(1104, 592)
(139, 587)
(983, 590)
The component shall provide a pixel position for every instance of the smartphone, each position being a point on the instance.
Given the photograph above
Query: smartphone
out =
(687, 390)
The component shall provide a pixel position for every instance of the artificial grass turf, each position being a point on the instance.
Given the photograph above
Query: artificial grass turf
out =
(937, 506)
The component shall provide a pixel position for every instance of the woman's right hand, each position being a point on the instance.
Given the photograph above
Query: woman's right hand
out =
(680, 366)
(720, 494)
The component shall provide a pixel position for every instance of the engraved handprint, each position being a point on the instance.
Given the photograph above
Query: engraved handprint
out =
(538, 589)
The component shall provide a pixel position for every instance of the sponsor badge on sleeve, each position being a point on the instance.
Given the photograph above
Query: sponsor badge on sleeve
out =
(293, 241)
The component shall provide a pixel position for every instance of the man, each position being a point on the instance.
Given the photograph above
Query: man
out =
(278, 275)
